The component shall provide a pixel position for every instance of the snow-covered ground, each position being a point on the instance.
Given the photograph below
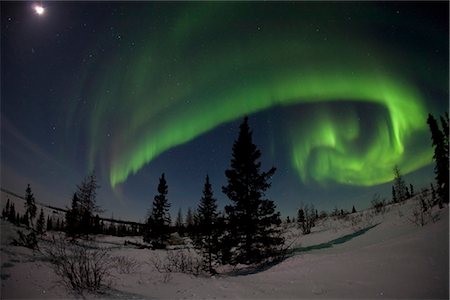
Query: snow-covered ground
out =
(393, 259)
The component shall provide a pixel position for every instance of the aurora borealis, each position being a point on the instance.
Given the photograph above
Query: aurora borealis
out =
(337, 93)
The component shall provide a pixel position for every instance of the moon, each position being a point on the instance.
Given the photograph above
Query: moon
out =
(39, 9)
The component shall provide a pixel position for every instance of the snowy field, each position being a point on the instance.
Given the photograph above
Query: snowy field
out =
(394, 258)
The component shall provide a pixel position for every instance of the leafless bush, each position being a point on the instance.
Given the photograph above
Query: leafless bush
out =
(178, 261)
(422, 211)
(26, 240)
(125, 265)
(79, 266)
(378, 204)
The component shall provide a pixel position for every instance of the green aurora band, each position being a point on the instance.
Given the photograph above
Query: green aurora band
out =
(184, 80)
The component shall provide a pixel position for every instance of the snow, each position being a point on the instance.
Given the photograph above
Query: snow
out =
(394, 259)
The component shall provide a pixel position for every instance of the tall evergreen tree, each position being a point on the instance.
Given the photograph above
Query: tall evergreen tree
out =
(40, 223)
(353, 209)
(30, 206)
(253, 222)
(411, 190)
(158, 223)
(207, 239)
(87, 203)
(441, 155)
(400, 188)
(72, 218)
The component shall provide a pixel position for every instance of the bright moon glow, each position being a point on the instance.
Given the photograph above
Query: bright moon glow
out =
(39, 9)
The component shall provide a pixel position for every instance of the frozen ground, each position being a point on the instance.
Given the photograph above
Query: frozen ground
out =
(393, 259)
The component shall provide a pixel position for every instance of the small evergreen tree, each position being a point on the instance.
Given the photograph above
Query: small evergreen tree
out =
(40, 223)
(5, 211)
(158, 223)
(252, 220)
(30, 206)
(300, 217)
(399, 185)
(441, 155)
(353, 209)
(207, 239)
(49, 223)
(394, 196)
(72, 218)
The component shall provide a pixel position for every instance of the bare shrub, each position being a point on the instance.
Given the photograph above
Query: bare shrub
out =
(26, 240)
(125, 265)
(79, 266)
(422, 211)
(178, 261)
(378, 204)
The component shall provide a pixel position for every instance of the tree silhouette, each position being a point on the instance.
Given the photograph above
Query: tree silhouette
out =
(207, 237)
(158, 223)
(40, 223)
(30, 206)
(252, 220)
(400, 189)
(441, 156)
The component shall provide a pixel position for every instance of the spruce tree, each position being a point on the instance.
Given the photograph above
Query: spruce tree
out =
(207, 239)
(30, 206)
(400, 188)
(49, 223)
(353, 209)
(300, 217)
(411, 190)
(87, 203)
(12, 214)
(158, 223)
(5, 211)
(40, 223)
(253, 222)
(441, 155)
(72, 218)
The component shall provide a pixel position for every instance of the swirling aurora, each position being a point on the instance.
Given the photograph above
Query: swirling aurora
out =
(186, 79)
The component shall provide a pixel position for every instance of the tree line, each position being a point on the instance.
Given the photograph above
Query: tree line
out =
(247, 230)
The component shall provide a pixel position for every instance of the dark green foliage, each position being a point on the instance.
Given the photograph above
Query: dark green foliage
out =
(157, 230)
(207, 233)
(439, 139)
(411, 190)
(30, 206)
(252, 220)
(353, 209)
(40, 229)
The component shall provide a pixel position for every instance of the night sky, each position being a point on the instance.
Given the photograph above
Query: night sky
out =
(337, 94)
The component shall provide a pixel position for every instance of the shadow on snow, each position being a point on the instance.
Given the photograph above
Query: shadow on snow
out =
(295, 251)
